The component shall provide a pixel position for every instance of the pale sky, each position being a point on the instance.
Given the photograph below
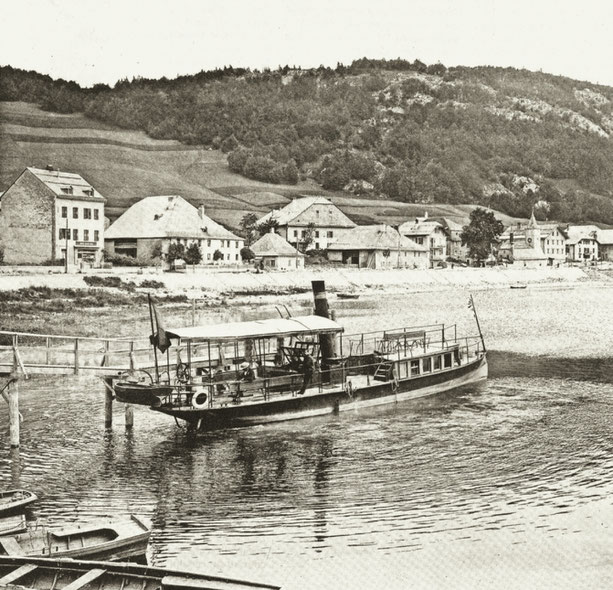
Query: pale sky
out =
(104, 40)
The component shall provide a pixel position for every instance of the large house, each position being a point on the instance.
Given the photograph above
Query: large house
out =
(273, 252)
(378, 247)
(48, 215)
(582, 244)
(429, 233)
(150, 225)
(296, 220)
(534, 243)
(605, 243)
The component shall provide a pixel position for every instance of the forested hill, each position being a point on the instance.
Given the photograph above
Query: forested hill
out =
(510, 139)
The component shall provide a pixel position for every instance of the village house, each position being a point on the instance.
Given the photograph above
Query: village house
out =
(532, 242)
(273, 252)
(605, 244)
(429, 233)
(582, 243)
(150, 225)
(48, 215)
(378, 247)
(455, 249)
(310, 215)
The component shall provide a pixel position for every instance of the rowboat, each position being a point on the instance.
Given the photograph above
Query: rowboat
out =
(69, 574)
(257, 372)
(11, 525)
(12, 501)
(348, 295)
(109, 539)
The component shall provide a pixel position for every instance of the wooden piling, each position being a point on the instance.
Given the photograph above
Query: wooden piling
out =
(108, 402)
(13, 395)
(129, 417)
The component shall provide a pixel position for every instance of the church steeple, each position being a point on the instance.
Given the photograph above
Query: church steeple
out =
(533, 233)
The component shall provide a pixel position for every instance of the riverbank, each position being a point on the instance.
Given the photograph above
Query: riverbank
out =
(237, 282)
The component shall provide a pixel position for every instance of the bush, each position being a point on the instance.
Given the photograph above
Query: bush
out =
(247, 254)
(121, 260)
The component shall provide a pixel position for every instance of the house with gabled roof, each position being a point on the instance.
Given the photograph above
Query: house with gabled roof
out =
(605, 243)
(150, 225)
(297, 218)
(275, 253)
(429, 233)
(582, 244)
(48, 215)
(378, 247)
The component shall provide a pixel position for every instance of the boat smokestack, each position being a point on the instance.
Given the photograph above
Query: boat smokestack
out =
(326, 341)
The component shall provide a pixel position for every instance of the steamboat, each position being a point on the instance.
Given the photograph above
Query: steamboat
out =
(257, 372)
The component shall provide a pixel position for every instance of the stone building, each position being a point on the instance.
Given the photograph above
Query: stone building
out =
(46, 214)
(328, 222)
(582, 244)
(429, 233)
(605, 244)
(150, 225)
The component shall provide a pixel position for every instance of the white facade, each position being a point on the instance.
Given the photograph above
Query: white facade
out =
(80, 228)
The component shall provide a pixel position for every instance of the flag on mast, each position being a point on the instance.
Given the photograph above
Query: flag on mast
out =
(159, 338)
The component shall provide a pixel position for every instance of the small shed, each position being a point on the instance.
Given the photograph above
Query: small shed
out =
(273, 252)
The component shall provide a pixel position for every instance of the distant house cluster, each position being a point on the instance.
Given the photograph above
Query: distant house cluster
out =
(48, 216)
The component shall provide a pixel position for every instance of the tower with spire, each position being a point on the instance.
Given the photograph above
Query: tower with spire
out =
(533, 233)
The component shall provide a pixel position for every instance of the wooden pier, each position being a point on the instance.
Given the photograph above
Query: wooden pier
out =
(42, 354)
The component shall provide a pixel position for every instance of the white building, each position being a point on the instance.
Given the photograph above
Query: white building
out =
(429, 233)
(582, 244)
(153, 223)
(46, 214)
(273, 252)
(329, 223)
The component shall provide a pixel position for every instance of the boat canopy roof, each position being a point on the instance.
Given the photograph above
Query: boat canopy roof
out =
(277, 327)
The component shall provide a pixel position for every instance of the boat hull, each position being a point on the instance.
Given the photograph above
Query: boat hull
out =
(376, 394)
(14, 501)
(135, 393)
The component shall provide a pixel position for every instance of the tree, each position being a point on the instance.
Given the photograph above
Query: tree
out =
(248, 225)
(175, 251)
(247, 254)
(308, 237)
(193, 254)
(217, 255)
(265, 227)
(481, 233)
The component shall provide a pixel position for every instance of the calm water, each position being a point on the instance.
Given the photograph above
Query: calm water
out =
(509, 483)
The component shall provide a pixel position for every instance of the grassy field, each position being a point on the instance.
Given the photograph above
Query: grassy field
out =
(126, 166)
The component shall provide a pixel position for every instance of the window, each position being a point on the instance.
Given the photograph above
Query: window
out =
(208, 242)
(64, 212)
(437, 363)
(87, 213)
(75, 234)
(208, 256)
(95, 213)
(317, 234)
(295, 233)
(447, 360)
(63, 233)
(86, 235)
(96, 235)
(427, 365)
(316, 245)
(330, 234)
(303, 233)
(75, 213)
(236, 257)
(236, 246)
(415, 367)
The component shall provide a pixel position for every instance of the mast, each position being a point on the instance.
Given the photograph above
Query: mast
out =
(471, 305)
(155, 350)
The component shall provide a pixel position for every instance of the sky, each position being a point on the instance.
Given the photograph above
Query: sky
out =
(92, 41)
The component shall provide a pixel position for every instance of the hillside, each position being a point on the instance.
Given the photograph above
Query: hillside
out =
(500, 137)
(127, 165)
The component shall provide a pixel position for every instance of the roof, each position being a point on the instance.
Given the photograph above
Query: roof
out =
(375, 237)
(605, 236)
(67, 184)
(166, 217)
(419, 227)
(307, 210)
(272, 244)
(576, 233)
(277, 327)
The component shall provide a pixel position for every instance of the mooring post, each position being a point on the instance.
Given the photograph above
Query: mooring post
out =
(129, 416)
(108, 402)
(76, 356)
(13, 394)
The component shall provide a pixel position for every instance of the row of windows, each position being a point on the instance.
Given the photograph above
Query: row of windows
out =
(330, 233)
(65, 234)
(87, 213)
(226, 243)
(429, 364)
(209, 256)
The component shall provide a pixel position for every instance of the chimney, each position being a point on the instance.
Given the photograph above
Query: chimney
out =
(426, 215)
(272, 230)
(201, 211)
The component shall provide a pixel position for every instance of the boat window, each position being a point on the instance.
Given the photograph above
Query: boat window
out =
(403, 369)
(456, 356)
(415, 367)
(427, 365)
(437, 363)
(447, 360)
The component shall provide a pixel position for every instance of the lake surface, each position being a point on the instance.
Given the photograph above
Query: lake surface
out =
(508, 484)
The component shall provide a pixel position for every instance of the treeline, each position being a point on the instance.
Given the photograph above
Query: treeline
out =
(405, 130)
